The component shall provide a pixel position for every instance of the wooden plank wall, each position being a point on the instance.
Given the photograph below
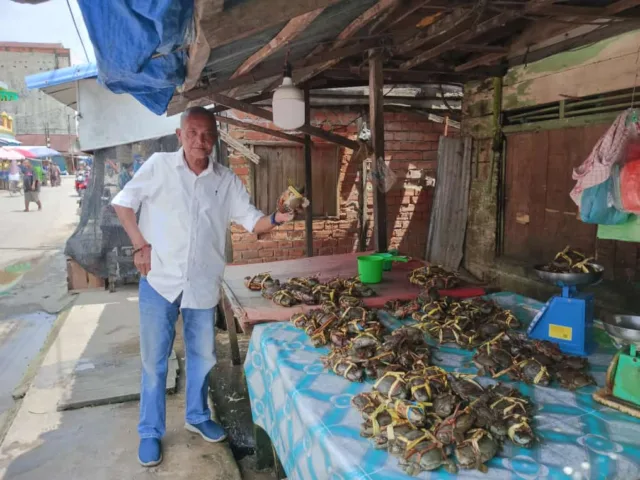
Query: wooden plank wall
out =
(540, 217)
(283, 163)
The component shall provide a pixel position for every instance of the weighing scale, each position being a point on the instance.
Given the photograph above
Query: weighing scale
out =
(567, 319)
(622, 390)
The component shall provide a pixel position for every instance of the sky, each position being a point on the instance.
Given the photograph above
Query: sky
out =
(48, 22)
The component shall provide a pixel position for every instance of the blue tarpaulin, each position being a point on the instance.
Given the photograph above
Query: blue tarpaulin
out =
(126, 34)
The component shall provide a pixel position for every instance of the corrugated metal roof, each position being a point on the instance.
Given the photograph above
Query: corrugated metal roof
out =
(225, 60)
(61, 75)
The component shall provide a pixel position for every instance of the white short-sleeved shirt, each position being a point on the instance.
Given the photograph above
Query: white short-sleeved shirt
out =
(185, 219)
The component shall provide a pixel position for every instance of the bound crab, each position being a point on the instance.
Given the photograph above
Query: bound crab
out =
(256, 283)
(478, 448)
(284, 298)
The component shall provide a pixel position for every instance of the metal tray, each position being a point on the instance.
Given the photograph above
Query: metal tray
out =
(624, 328)
(569, 279)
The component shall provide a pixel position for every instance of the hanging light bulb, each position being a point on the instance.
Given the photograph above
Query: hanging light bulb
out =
(288, 103)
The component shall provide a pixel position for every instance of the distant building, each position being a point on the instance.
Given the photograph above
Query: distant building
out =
(38, 119)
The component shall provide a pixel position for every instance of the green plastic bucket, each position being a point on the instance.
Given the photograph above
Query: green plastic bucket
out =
(370, 268)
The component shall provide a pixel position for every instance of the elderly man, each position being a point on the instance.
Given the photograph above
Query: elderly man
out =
(187, 201)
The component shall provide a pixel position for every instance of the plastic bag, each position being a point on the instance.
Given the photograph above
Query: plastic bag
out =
(597, 206)
(382, 176)
(630, 186)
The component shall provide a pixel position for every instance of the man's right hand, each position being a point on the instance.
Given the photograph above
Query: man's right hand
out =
(142, 260)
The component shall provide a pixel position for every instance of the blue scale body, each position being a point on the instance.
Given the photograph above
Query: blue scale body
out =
(567, 320)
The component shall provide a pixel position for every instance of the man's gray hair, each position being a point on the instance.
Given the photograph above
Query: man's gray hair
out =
(197, 111)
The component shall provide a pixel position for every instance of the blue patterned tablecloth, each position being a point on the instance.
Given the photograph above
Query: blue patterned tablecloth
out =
(307, 413)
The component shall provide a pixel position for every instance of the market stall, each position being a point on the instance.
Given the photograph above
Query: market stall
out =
(308, 414)
(251, 308)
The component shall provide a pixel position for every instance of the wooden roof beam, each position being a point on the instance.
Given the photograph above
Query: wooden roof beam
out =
(450, 22)
(267, 115)
(354, 27)
(284, 36)
(180, 101)
(621, 6)
(499, 20)
(258, 128)
(546, 35)
(486, 59)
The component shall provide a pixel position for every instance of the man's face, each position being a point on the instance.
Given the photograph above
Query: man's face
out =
(27, 164)
(198, 135)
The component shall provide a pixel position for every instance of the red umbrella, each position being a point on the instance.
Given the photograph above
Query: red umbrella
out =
(23, 152)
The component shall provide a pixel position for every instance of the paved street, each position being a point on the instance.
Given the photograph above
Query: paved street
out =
(27, 235)
(33, 286)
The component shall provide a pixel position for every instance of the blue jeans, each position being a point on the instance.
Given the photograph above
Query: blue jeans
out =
(157, 332)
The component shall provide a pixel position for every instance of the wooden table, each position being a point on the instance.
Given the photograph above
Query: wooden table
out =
(250, 308)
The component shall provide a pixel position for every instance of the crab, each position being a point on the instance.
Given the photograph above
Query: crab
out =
(256, 282)
(346, 301)
(344, 367)
(478, 448)
(465, 387)
(284, 298)
(531, 371)
(301, 295)
(519, 430)
(355, 288)
(413, 413)
(299, 320)
(425, 453)
(444, 404)
(573, 379)
(270, 288)
(406, 309)
(453, 428)
(392, 385)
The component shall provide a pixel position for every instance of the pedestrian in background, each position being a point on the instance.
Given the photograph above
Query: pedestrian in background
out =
(31, 184)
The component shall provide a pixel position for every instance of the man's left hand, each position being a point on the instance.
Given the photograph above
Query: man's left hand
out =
(284, 217)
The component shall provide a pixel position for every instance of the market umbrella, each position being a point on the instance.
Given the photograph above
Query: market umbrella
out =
(9, 154)
(41, 152)
(7, 95)
(25, 153)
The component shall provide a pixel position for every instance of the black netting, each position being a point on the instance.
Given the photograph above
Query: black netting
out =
(100, 244)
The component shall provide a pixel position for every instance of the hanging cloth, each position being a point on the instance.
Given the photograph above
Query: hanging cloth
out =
(609, 150)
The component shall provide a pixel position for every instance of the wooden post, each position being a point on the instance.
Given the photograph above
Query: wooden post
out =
(307, 175)
(376, 115)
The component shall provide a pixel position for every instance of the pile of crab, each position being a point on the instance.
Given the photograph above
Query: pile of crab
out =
(308, 290)
(417, 411)
(570, 261)
(434, 276)
(427, 418)
(467, 323)
(535, 362)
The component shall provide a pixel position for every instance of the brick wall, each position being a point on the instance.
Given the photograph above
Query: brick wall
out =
(411, 143)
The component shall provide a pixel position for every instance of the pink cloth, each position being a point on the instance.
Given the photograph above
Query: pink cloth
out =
(13, 169)
(609, 150)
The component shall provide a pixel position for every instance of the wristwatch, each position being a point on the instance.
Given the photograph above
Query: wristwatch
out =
(273, 220)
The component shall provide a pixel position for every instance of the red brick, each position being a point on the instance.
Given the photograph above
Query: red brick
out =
(295, 252)
(242, 246)
(268, 244)
(285, 244)
(326, 251)
(254, 260)
(267, 253)
(299, 243)
(250, 254)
